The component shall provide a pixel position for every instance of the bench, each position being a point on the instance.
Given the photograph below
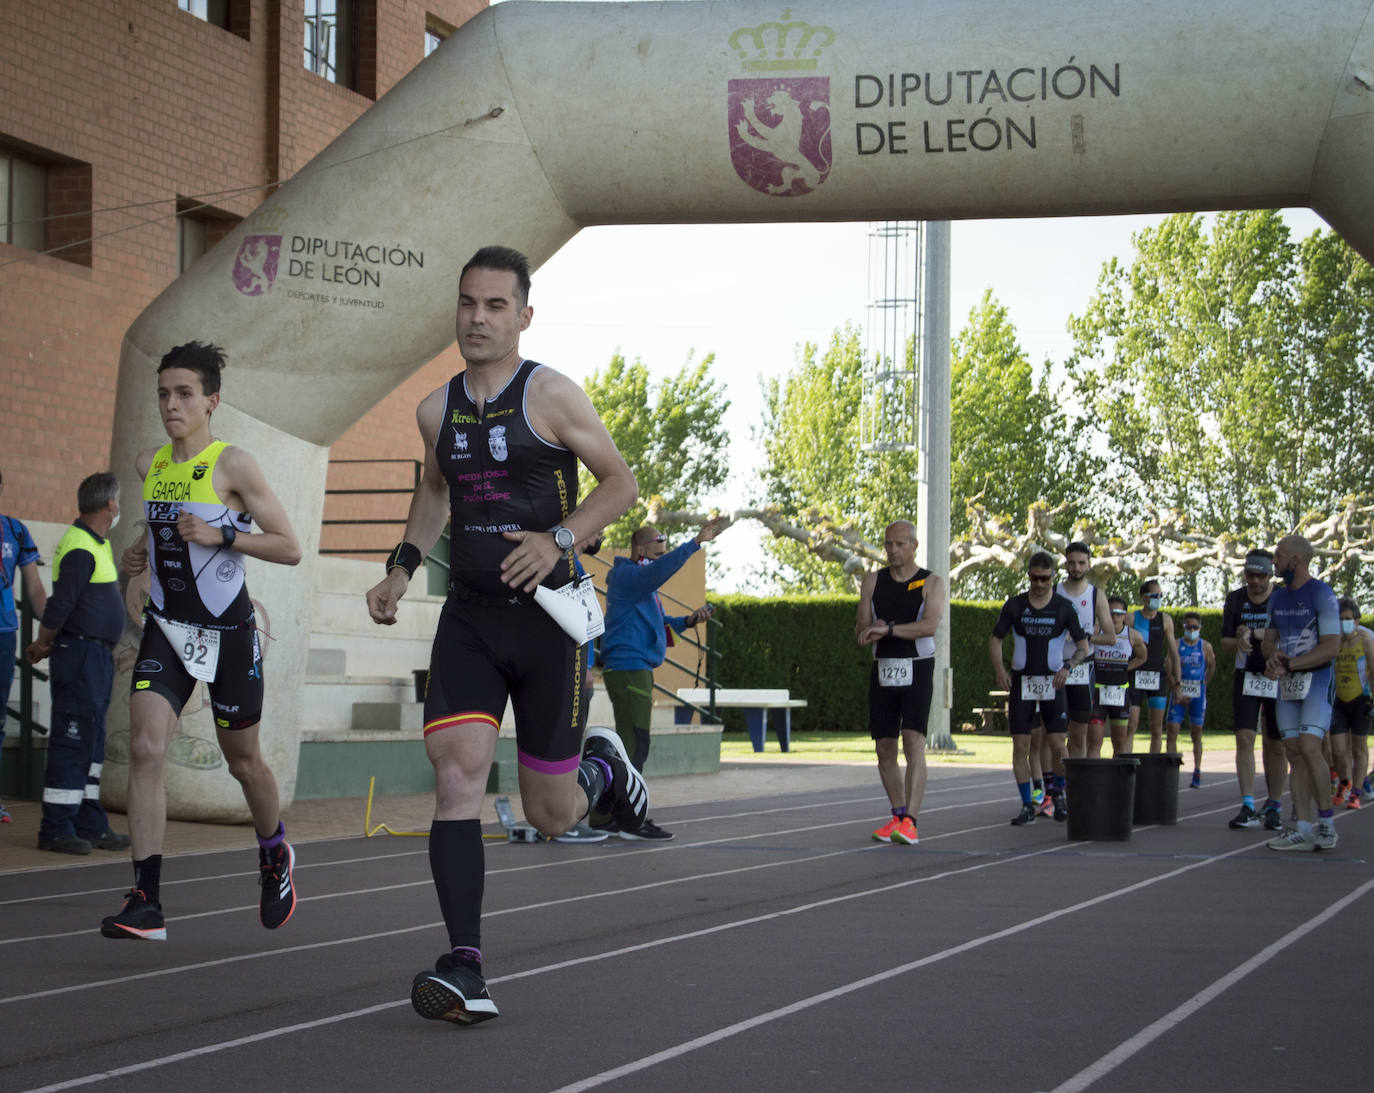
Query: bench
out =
(993, 717)
(756, 705)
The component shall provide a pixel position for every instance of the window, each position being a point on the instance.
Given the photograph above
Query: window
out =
(436, 31)
(234, 16)
(199, 227)
(212, 11)
(45, 202)
(341, 43)
(23, 200)
(329, 33)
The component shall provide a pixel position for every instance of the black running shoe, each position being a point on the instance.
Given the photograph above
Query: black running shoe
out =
(1273, 820)
(1061, 808)
(454, 991)
(278, 899)
(648, 832)
(627, 797)
(1025, 816)
(141, 920)
(1246, 817)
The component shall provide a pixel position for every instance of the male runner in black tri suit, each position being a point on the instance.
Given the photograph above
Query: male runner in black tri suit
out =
(1244, 619)
(1037, 619)
(502, 443)
(900, 608)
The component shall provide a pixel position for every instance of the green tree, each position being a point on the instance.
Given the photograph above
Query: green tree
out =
(1009, 441)
(809, 437)
(1228, 375)
(815, 471)
(671, 434)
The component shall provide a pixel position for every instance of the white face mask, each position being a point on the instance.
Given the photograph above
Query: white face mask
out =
(1347, 626)
(1153, 601)
(1192, 635)
(115, 522)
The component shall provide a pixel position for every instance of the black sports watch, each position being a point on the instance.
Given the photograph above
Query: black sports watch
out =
(563, 538)
(228, 533)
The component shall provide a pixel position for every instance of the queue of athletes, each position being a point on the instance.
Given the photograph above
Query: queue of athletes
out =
(1079, 667)
(1082, 667)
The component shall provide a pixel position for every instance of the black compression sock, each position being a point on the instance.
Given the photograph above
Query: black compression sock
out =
(457, 861)
(148, 876)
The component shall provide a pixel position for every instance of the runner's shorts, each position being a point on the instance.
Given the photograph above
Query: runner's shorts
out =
(893, 709)
(484, 654)
(1023, 714)
(237, 690)
(1351, 716)
(1247, 710)
(1192, 710)
(1312, 712)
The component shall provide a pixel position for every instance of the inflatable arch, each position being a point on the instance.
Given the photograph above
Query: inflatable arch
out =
(534, 120)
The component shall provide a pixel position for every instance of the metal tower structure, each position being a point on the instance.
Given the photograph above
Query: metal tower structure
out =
(893, 417)
(906, 394)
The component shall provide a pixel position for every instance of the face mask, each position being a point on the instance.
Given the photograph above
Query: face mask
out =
(1153, 602)
(1192, 635)
(115, 522)
(1347, 626)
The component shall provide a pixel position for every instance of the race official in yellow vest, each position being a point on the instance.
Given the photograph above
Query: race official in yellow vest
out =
(82, 621)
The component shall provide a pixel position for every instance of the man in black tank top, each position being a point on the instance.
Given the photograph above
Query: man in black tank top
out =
(502, 442)
(1244, 619)
(900, 609)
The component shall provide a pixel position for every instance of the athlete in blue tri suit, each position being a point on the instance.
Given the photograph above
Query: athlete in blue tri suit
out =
(1197, 665)
(1152, 684)
(1300, 646)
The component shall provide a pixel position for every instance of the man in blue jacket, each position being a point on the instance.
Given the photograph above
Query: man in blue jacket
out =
(637, 636)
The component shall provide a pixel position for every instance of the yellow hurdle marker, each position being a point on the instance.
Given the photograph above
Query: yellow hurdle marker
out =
(369, 830)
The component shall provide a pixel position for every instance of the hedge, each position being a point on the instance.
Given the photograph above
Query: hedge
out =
(806, 645)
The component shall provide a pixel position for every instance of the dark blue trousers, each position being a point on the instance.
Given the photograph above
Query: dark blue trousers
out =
(81, 675)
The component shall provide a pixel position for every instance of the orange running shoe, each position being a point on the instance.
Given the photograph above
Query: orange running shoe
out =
(906, 832)
(1353, 801)
(884, 833)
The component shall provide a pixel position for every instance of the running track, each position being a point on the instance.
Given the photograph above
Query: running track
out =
(771, 946)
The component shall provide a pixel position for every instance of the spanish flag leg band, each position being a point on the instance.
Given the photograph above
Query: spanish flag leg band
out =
(467, 717)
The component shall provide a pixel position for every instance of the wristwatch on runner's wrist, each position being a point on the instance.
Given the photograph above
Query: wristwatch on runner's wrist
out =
(563, 538)
(228, 533)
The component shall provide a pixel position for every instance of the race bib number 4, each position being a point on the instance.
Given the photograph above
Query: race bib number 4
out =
(198, 649)
(894, 672)
(1190, 688)
(1258, 686)
(1037, 688)
(1294, 688)
(1147, 681)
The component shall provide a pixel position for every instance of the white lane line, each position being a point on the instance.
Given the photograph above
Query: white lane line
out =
(809, 806)
(554, 864)
(1146, 1036)
(616, 893)
(210, 1049)
(799, 1006)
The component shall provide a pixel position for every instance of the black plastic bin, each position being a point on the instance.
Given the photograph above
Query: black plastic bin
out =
(1156, 788)
(1101, 794)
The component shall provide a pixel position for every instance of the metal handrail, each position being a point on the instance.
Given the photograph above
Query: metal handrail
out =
(418, 469)
(28, 724)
